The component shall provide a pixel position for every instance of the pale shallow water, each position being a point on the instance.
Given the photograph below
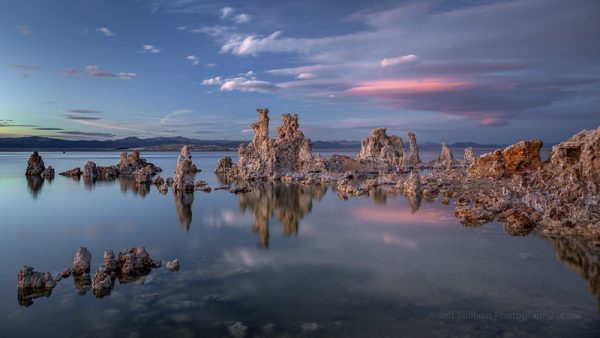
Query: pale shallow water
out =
(296, 257)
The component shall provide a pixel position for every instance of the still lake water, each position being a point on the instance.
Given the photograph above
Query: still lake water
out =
(282, 260)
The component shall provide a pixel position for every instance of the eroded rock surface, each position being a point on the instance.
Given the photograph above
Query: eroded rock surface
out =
(514, 159)
(81, 261)
(135, 262)
(32, 284)
(35, 165)
(184, 174)
(382, 152)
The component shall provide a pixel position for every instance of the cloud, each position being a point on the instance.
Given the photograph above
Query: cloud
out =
(24, 69)
(150, 49)
(397, 87)
(226, 12)
(167, 117)
(47, 128)
(306, 76)
(85, 133)
(95, 71)
(24, 29)
(241, 18)
(81, 118)
(213, 81)
(250, 45)
(105, 31)
(194, 59)
(387, 62)
(10, 123)
(245, 82)
(84, 111)
(248, 85)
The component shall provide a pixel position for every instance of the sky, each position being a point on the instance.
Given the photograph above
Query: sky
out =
(450, 71)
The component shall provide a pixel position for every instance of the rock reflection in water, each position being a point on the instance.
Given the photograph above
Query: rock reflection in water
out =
(25, 297)
(126, 184)
(183, 205)
(82, 283)
(583, 257)
(288, 202)
(34, 184)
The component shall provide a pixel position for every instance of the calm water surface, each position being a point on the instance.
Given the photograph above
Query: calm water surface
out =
(283, 260)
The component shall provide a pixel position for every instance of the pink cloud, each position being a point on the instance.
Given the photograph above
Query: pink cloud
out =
(392, 87)
(426, 216)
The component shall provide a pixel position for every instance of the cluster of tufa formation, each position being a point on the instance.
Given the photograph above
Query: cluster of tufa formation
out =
(289, 156)
(130, 265)
(130, 166)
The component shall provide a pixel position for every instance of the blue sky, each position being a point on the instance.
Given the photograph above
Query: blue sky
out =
(450, 71)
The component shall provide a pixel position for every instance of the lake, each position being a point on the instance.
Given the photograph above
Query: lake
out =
(282, 260)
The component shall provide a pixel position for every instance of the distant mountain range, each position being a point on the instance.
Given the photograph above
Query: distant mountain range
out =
(31, 143)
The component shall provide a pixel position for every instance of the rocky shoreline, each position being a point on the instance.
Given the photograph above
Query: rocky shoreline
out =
(555, 197)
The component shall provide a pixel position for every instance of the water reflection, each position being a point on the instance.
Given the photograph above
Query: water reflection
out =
(34, 184)
(183, 206)
(25, 297)
(126, 184)
(82, 283)
(288, 202)
(583, 257)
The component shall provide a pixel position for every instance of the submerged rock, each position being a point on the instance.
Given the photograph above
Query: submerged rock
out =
(104, 278)
(32, 284)
(81, 261)
(135, 262)
(75, 172)
(48, 173)
(184, 176)
(35, 165)
(173, 265)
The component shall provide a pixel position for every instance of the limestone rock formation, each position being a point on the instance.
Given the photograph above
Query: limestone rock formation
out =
(184, 175)
(413, 185)
(75, 172)
(414, 158)
(29, 279)
(469, 157)
(35, 165)
(143, 175)
(104, 278)
(264, 158)
(48, 173)
(382, 152)
(445, 159)
(90, 170)
(224, 165)
(32, 284)
(81, 261)
(173, 265)
(135, 262)
(514, 159)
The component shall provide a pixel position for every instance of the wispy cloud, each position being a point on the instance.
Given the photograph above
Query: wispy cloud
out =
(226, 12)
(150, 49)
(95, 71)
(241, 18)
(48, 128)
(169, 116)
(105, 31)
(70, 71)
(24, 69)
(85, 133)
(84, 111)
(194, 59)
(10, 123)
(24, 29)
(250, 45)
(305, 76)
(246, 82)
(387, 62)
(81, 118)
